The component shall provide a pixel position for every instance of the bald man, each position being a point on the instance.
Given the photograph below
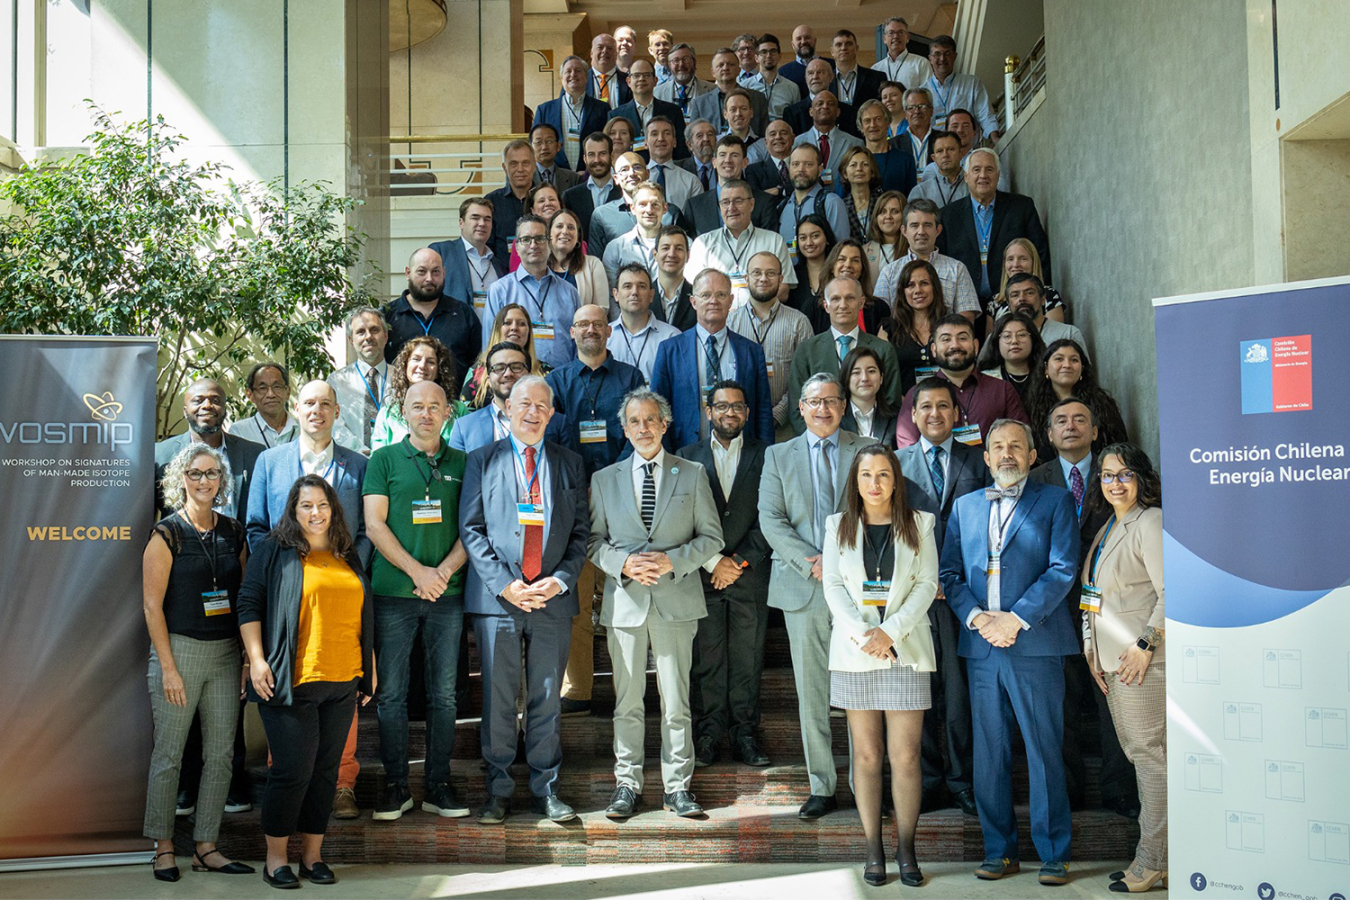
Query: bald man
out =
(425, 309)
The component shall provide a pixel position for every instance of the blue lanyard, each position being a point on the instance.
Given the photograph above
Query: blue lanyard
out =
(938, 92)
(538, 464)
(371, 391)
(1097, 554)
(983, 232)
(426, 326)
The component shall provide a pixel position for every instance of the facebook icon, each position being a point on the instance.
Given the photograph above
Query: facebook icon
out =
(1198, 881)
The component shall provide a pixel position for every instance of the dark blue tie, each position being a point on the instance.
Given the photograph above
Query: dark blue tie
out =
(714, 362)
(935, 469)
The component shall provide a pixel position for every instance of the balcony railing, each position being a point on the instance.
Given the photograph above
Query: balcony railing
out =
(1023, 79)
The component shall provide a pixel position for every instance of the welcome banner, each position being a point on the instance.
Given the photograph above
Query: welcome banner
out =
(1254, 413)
(77, 426)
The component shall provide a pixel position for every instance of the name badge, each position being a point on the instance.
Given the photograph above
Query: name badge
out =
(640, 142)
(216, 603)
(543, 331)
(923, 372)
(575, 130)
(593, 431)
(426, 512)
(480, 299)
(1090, 600)
(739, 282)
(967, 434)
(876, 593)
(768, 368)
(991, 565)
(827, 177)
(530, 513)
(792, 250)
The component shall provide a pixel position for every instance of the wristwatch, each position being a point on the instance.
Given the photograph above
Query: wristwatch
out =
(1144, 645)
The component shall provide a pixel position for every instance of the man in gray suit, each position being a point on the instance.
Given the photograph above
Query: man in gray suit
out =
(524, 522)
(792, 518)
(652, 516)
(937, 470)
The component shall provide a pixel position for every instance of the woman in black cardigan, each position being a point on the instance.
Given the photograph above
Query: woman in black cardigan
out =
(308, 626)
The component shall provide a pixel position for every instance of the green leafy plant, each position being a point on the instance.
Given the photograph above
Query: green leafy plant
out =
(131, 239)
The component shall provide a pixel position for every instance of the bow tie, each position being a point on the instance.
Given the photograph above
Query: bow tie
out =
(1009, 493)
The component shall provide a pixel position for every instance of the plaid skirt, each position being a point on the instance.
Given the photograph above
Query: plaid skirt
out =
(896, 688)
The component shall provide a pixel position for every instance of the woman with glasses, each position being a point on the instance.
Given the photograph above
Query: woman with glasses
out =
(192, 567)
(511, 325)
(1012, 351)
(421, 359)
(1123, 640)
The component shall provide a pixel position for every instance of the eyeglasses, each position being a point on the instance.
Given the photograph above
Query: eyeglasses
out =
(705, 296)
(515, 368)
(730, 407)
(915, 107)
(728, 202)
(823, 402)
(198, 475)
(770, 51)
(532, 239)
(1124, 476)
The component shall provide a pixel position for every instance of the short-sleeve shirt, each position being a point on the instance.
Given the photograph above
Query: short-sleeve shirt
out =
(195, 558)
(409, 479)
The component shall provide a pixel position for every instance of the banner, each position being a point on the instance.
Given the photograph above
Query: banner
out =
(1254, 414)
(77, 427)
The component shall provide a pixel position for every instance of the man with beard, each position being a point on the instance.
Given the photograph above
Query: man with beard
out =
(804, 50)
(204, 410)
(616, 217)
(1026, 294)
(983, 399)
(506, 363)
(424, 309)
(809, 197)
(777, 328)
(819, 77)
(1009, 561)
(684, 84)
(547, 298)
(638, 331)
(599, 188)
(360, 384)
(508, 201)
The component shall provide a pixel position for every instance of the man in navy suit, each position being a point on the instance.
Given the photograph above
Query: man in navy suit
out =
(605, 80)
(1009, 561)
(574, 113)
(524, 519)
(470, 265)
(643, 106)
(804, 46)
(716, 353)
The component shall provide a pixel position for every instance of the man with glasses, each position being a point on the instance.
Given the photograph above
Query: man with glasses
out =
(803, 484)
(684, 85)
(918, 132)
(780, 92)
(729, 248)
(506, 364)
(744, 47)
(824, 352)
(645, 106)
(544, 141)
(268, 387)
(547, 298)
(616, 218)
(953, 91)
(729, 164)
(777, 328)
(899, 65)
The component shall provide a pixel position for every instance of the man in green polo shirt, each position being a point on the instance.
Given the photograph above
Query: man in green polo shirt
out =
(411, 498)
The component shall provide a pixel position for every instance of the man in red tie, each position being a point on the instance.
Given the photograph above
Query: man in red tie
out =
(525, 519)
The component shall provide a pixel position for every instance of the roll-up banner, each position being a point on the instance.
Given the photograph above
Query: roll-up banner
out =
(77, 427)
(1254, 414)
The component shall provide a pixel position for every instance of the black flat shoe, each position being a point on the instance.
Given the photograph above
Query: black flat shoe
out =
(230, 868)
(320, 874)
(170, 873)
(281, 877)
(874, 873)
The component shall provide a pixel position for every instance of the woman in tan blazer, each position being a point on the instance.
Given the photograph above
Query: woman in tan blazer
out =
(1123, 640)
(880, 574)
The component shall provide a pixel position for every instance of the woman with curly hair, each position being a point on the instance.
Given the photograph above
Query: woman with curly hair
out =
(1064, 371)
(512, 325)
(1012, 351)
(421, 359)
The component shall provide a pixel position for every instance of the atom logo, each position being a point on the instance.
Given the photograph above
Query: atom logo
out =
(103, 408)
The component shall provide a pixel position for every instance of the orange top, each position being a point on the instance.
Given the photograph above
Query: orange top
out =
(328, 641)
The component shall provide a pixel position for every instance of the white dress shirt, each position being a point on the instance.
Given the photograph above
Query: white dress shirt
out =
(640, 474)
(639, 348)
(726, 460)
(320, 463)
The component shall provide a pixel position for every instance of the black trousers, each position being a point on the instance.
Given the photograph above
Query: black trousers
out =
(1083, 716)
(306, 738)
(728, 662)
(948, 743)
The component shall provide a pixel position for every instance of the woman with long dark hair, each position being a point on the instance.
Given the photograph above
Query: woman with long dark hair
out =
(1012, 351)
(866, 412)
(568, 259)
(1065, 371)
(815, 240)
(919, 306)
(880, 573)
(308, 626)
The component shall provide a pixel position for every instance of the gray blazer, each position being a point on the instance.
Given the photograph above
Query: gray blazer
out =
(966, 472)
(786, 510)
(686, 528)
(709, 106)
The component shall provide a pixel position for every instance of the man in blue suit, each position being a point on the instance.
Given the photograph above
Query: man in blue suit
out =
(716, 353)
(470, 265)
(573, 113)
(524, 519)
(1009, 563)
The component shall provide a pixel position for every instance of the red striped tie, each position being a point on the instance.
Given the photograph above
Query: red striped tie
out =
(532, 559)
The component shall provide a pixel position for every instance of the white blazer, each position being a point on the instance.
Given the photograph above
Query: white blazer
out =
(593, 283)
(914, 584)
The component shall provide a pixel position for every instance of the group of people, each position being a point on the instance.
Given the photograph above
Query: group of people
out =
(689, 390)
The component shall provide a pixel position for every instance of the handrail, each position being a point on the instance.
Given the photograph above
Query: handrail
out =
(452, 138)
(1023, 79)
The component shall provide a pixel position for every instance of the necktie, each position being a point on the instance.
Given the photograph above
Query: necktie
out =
(371, 405)
(648, 495)
(532, 555)
(935, 469)
(1076, 485)
(843, 341)
(714, 369)
(682, 97)
(703, 170)
(660, 170)
(604, 86)
(784, 179)
(824, 490)
(824, 149)
(547, 176)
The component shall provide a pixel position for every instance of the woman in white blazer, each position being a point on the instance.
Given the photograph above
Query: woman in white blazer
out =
(880, 572)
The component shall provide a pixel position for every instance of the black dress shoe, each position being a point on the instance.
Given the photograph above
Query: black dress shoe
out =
(171, 873)
(199, 864)
(682, 804)
(494, 812)
(1122, 806)
(910, 873)
(282, 877)
(625, 802)
(746, 750)
(874, 873)
(553, 808)
(817, 806)
(965, 800)
(320, 874)
(705, 751)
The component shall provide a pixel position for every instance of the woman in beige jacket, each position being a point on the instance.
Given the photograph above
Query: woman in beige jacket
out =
(880, 574)
(1123, 639)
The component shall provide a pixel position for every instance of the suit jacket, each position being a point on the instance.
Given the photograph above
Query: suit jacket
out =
(684, 318)
(739, 513)
(698, 87)
(867, 85)
(787, 513)
(914, 584)
(490, 530)
(659, 108)
(703, 211)
(458, 281)
(966, 472)
(279, 468)
(798, 115)
(564, 179)
(594, 115)
(686, 528)
(840, 143)
(579, 200)
(1039, 561)
(883, 427)
(1130, 576)
(473, 431)
(614, 219)
(674, 376)
(763, 176)
(1014, 217)
(795, 71)
(1090, 522)
(241, 453)
(820, 353)
(618, 83)
(709, 106)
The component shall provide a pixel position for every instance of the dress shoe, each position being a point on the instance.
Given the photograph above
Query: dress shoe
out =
(494, 812)
(186, 805)
(994, 868)
(705, 751)
(965, 801)
(817, 806)
(318, 874)
(281, 877)
(168, 873)
(552, 808)
(910, 874)
(199, 864)
(682, 804)
(747, 751)
(575, 708)
(344, 804)
(1138, 880)
(623, 804)
(1054, 872)
(874, 873)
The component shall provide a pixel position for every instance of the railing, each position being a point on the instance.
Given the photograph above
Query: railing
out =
(1022, 81)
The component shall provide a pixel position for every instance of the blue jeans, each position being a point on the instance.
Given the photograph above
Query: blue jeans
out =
(397, 620)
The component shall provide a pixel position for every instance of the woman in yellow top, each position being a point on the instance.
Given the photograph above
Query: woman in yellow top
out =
(308, 627)
(1123, 641)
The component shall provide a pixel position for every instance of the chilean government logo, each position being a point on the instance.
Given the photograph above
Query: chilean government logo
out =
(1276, 374)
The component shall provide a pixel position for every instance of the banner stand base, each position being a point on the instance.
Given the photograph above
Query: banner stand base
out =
(136, 858)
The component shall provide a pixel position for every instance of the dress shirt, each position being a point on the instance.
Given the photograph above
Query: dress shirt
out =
(919, 148)
(545, 489)
(934, 186)
(962, 91)
(731, 255)
(320, 463)
(482, 273)
(726, 357)
(360, 391)
(982, 400)
(744, 78)
(927, 446)
(836, 334)
(907, 69)
(572, 115)
(984, 232)
(550, 301)
(864, 419)
(957, 288)
(848, 85)
(681, 184)
(611, 82)
(1084, 467)
(726, 460)
(663, 73)
(640, 474)
(1000, 515)
(599, 193)
(584, 394)
(829, 204)
(256, 429)
(639, 348)
(779, 337)
(780, 93)
(813, 443)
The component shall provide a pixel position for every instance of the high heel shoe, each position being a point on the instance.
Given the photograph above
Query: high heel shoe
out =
(874, 873)
(169, 873)
(1148, 879)
(911, 875)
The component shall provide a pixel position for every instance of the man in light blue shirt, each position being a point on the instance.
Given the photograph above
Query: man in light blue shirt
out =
(809, 196)
(547, 298)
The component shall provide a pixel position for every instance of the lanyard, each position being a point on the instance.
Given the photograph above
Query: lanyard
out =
(754, 323)
(595, 395)
(1097, 554)
(262, 429)
(983, 233)
(433, 466)
(940, 94)
(575, 111)
(920, 148)
(648, 254)
(736, 258)
(426, 326)
(482, 274)
(637, 357)
(370, 391)
(852, 85)
(211, 554)
(1003, 523)
(948, 198)
(542, 297)
(538, 464)
(878, 552)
